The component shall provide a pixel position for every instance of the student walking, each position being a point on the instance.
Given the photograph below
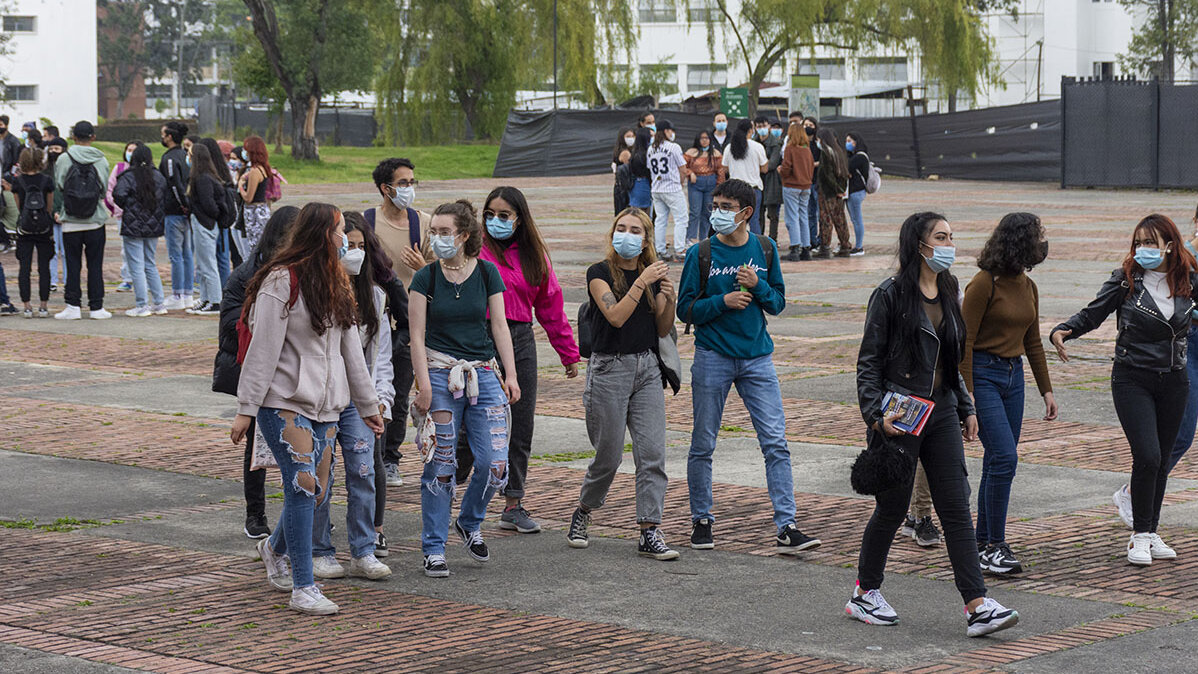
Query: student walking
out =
(746, 160)
(175, 169)
(1001, 310)
(919, 356)
(797, 172)
(80, 174)
(1152, 294)
(667, 167)
(833, 179)
(855, 146)
(254, 187)
(634, 303)
(512, 242)
(457, 376)
(705, 169)
(209, 207)
(728, 285)
(141, 193)
(303, 367)
(33, 192)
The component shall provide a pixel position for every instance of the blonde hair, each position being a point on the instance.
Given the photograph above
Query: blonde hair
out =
(797, 134)
(619, 286)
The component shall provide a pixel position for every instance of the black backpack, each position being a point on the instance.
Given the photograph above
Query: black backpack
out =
(34, 220)
(81, 190)
(705, 269)
(586, 316)
(228, 215)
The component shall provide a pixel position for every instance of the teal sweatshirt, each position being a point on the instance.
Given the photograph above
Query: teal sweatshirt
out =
(732, 333)
(85, 155)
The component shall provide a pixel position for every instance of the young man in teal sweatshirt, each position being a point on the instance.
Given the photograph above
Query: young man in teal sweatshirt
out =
(733, 347)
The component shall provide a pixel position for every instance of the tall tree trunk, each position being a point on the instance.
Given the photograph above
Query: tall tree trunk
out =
(952, 100)
(303, 127)
(1168, 46)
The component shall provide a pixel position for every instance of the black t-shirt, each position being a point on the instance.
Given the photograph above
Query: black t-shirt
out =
(858, 171)
(456, 323)
(640, 330)
(38, 182)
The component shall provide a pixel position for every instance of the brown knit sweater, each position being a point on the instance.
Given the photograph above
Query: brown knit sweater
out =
(1002, 317)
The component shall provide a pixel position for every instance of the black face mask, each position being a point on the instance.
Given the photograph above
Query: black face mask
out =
(3, 130)
(163, 141)
(810, 132)
(1041, 253)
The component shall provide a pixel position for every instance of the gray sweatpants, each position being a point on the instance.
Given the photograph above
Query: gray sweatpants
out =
(624, 391)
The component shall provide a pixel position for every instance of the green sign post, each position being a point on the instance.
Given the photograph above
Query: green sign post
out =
(734, 101)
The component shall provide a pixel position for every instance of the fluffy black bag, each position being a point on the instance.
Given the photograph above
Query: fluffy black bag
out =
(881, 465)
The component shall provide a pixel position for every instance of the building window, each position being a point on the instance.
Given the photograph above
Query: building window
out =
(828, 68)
(1104, 70)
(20, 24)
(706, 77)
(885, 69)
(21, 93)
(656, 11)
(702, 11)
(659, 79)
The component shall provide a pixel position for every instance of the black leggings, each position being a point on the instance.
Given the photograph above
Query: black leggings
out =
(253, 481)
(942, 453)
(26, 247)
(1150, 406)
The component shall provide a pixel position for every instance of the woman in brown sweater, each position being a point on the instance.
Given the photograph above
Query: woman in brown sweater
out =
(1002, 321)
(797, 172)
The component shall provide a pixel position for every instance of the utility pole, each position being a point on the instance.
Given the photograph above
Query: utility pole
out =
(555, 54)
(1039, 66)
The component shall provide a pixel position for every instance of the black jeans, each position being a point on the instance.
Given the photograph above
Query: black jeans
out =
(253, 481)
(401, 361)
(44, 246)
(524, 412)
(771, 214)
(1150, 406)
(942, 453)
(77, 246)
(380, 476)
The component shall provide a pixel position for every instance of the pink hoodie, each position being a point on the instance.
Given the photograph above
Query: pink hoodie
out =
(520, 300)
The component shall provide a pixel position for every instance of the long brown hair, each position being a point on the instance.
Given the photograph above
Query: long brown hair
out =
(796, 135)
(363, 283)
(619, 285)
(311, 252)
(534, 254)
(1181, 261)
(255, 147)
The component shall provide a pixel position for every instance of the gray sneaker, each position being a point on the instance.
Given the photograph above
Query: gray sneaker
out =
(926, 533)
(394, 478)
(518, 518)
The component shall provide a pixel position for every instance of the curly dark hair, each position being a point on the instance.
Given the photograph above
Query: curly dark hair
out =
(465, 221)
(1013, 246)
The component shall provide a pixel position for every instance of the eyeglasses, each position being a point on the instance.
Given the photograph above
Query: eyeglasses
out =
(726, 208)
(405, 183)
(505, 216)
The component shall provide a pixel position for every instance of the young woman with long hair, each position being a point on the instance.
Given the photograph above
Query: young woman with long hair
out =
(747, 160)
(641, 194)
(126, 283)
(454, 348)
(668, 169)
(141, 194)
(206, 194)
(797, 172)
(705, 168)
(914, 338)
(621, 154)
(224, 244)
(253, 185)
(634, 299)
(833, 179)
(512, 242)
(34, 229)
(303, 367)
(858, 155)
(1152, 293)
(1002, 324)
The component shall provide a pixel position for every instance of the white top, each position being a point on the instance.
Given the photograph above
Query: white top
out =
(663, 162)
(749, 168)
(1158, 287)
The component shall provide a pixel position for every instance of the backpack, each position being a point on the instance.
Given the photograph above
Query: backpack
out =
(34, 220)
(81, 190)
(244, 336)
(413, 225)
(873, 182)
(586, 317)
(767, 249)
(228, 216)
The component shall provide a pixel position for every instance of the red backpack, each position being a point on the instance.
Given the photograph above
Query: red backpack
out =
(243, 327)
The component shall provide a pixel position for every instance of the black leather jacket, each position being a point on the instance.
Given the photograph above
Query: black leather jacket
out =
(1145, 340)
(882, 366)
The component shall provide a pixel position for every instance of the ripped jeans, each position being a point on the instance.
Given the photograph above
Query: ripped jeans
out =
(487, 431)
(303, 450)
(357, 452)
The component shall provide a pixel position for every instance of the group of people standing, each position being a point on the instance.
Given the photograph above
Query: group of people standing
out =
(802, 176)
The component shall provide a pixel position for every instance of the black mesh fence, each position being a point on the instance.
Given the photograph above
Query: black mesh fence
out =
(354, 127)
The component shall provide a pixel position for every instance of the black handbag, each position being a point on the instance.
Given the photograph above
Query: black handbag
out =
(883, 464)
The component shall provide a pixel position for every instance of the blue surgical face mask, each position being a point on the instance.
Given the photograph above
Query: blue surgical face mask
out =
(1149, 258)
(651, 127)
(344, 246)
(763, 131)
(128, 156)
(501, 230)
(627, 245)
(444, 246)
(403, 196)
(849, 145)
(720, 126)
(245, 154)
(724, 222)
(189, 160)
(942, 257)
(776, 133)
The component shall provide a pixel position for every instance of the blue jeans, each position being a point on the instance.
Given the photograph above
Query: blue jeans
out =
(712, 375)
(205, 261)
(293, 534)
(700, 207)
(486, 424)
(755, 221)
(641, 195)
(854, 204)
(813, 216)
(178, 249)
(1189, 420)
(58, 265)
(223, 264)
(998, 396)
(357, 451)
(140, 254)
(794, 201)
(3, 287)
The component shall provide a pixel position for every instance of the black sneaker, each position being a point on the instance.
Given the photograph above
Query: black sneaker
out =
(8, 310)
(908, 528)
(701, 535)
(256, 527)
(653, 544)
(577, 535)
(209, 309)
(435, 566)
(792, 541)
(380, 545)
(999, 559)
(805, 255)
(473, 542)
(926, 533)
(990, 617)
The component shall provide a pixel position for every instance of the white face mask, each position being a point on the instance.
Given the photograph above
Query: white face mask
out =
(630, 141)
(352, 261)
(404, 196)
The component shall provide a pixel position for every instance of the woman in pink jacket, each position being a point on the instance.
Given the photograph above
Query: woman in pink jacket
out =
(512, 242)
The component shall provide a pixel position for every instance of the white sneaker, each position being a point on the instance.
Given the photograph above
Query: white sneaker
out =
(137, 312)
(71, 313)
(189, 301)
(368, 567)
(990, 617)
(312, 601)
(871, 608)
(99, 314)
(174, 303)
(1122, 500)
(394, 477)
(327, 567)
(278, 571)
(1139, 549)
(158, 309)
(1159, 550)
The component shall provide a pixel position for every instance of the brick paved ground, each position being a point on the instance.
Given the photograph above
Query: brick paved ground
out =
(178, 605)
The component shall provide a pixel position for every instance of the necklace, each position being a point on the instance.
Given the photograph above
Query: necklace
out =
(457, 285)
(457, 268)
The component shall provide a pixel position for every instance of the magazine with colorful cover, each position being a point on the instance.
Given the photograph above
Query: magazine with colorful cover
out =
(914, 411)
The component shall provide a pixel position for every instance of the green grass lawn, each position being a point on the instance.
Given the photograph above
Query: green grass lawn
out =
(354, 164)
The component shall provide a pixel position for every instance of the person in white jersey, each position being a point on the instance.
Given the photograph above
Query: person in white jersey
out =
(667, 171)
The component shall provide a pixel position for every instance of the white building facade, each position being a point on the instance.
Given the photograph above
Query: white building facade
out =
(50, 70)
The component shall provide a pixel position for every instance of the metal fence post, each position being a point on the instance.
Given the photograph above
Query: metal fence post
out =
(1065, 82)
(1156, 134)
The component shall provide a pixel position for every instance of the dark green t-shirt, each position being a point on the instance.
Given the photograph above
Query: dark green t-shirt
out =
(457, 313)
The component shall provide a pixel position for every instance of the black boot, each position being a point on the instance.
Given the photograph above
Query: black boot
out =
(805, 255)
(824, 253)
(794, 254)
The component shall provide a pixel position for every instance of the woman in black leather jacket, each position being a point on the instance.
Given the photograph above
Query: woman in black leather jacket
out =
(1151, 297)
(914, 338)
